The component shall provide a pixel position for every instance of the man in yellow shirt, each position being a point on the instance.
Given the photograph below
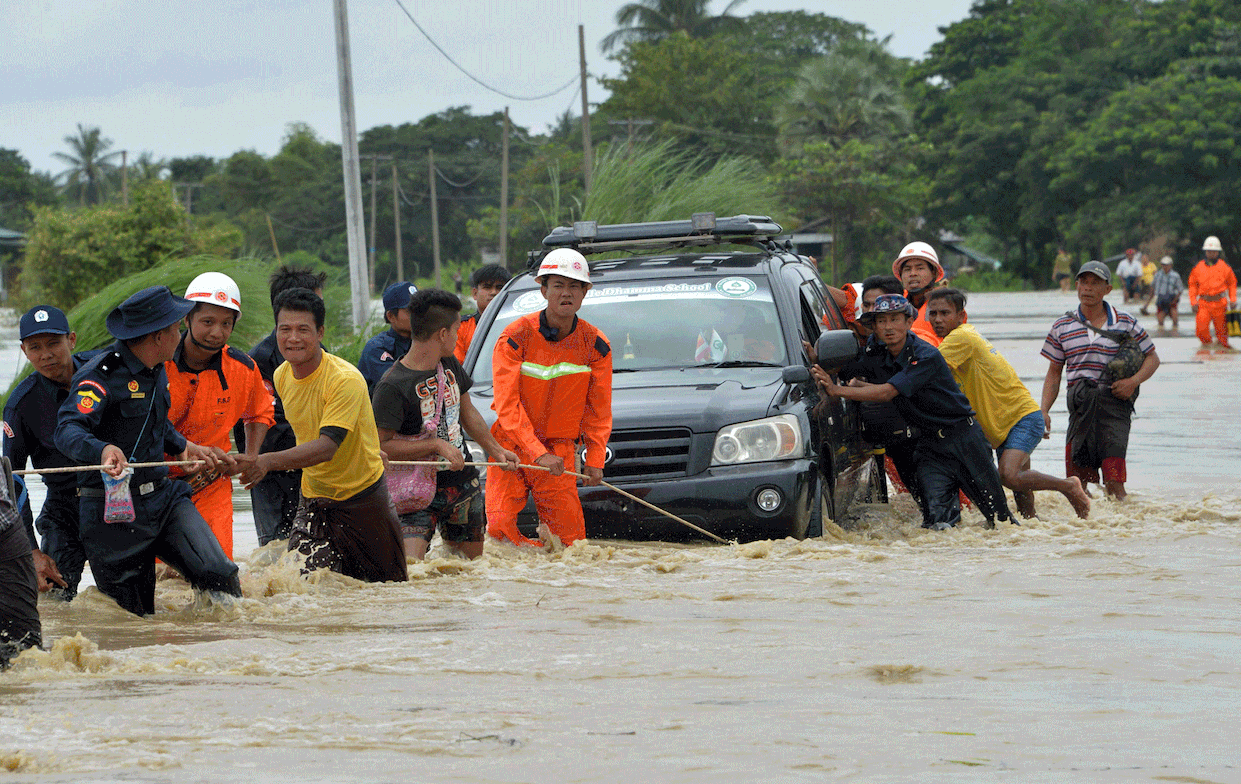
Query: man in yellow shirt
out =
(1011, 420)
(345, 520)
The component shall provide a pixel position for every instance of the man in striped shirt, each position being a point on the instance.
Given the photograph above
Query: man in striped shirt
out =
(1100, 407)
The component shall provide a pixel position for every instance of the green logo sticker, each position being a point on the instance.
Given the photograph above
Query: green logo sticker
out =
(736, 287)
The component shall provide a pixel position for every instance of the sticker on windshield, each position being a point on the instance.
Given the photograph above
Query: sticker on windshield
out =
(529, 302)
(736, 287)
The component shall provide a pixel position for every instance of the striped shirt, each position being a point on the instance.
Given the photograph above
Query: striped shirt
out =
(1085, 353)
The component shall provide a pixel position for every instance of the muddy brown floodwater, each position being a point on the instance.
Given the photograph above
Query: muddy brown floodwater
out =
(1063, 650)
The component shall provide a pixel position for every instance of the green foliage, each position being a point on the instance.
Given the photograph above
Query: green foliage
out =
(21, 190)
(657, 182)
(656, 20)
(980, 279)
(70, 255)
(1099, 122)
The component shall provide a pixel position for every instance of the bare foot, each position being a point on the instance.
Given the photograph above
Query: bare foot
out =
(1116, 490)
(1079, 498)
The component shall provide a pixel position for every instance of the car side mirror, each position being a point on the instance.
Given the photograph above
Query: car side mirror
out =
(795, 374)
(836, 348)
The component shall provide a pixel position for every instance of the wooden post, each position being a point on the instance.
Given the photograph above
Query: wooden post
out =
(435, 219)
(504, 194)
(588, 156)
(396, 223)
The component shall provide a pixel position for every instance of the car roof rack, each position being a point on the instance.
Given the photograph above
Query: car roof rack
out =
(702, 229)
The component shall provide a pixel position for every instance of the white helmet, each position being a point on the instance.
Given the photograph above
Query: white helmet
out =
(1212, 243)
(565, 262)
(215, 288)
(918, 250)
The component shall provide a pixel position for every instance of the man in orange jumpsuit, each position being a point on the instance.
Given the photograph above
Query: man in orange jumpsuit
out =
(552, 374)
(919, 270)
(214, 386)
(1209, 282)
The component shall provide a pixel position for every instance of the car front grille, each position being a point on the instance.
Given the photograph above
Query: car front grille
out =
(641, 455)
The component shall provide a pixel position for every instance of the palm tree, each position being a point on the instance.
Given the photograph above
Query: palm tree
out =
(147, 167)
(90, 164)
(653, 20)
(851, 93)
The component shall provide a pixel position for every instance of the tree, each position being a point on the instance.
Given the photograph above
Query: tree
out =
(852, 93)
(70, 255)
(655, 20)
(147, 167)
(21, 190)
(90, 165)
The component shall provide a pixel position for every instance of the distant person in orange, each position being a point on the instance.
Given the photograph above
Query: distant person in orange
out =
(919, 270)
(552, 374)
(1209, 282)
(485, 283)
(213, 387)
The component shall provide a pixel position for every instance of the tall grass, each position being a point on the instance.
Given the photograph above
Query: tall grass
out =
(658, 182)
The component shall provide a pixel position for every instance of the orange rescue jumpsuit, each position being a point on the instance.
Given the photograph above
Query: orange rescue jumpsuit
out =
(549, 394)
(465, 333)
(1208, 284)
(923, 327)
(205, 406)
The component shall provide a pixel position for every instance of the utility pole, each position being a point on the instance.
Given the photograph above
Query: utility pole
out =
(504, 195)
(358, 283)
(435, 218)
(370, 248)
(588, 155)
(396, 223)
(272, 233)
(189, 197)
(630, 123)
(125, 177)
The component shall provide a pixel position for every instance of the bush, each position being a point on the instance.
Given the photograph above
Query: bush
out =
(991, 280)
(72, 254)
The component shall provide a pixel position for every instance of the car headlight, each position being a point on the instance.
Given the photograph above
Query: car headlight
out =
(773, 438)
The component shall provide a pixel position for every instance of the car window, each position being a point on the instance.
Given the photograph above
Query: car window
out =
(669, 323)
(814, 314)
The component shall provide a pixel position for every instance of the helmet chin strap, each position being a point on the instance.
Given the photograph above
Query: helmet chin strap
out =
(915, 292)
(194, 340)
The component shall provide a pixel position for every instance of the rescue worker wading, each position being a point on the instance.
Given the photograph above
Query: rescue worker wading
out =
(213, 387)
(919, 270)
(117, 413)
(552, 374)
(1209, 283)
(486, 283)
(29, 430)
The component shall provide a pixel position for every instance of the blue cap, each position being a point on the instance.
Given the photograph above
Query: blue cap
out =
(43, 320)
(150, 310)
(397, 295)
(889, 303)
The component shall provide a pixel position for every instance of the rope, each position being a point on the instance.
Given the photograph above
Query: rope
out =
(72, 469)
(609, 485)
(458, 66)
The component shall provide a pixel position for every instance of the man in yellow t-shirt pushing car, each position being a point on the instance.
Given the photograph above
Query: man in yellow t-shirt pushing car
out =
(1010, 418)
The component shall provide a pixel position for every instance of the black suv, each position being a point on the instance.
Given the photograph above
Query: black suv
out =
(714, 415)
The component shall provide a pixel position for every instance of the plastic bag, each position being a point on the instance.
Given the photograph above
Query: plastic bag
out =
(118, 505)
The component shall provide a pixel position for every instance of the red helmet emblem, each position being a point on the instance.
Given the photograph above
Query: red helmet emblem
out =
(221, 296)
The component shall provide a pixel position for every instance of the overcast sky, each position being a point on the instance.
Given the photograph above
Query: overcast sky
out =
(215, 76)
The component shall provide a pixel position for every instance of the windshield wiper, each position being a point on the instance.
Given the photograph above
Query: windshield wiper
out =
(734, 363)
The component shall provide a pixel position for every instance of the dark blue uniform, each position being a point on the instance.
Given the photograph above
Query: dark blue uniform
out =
(378, 355)
(275, 497)
(19, 593)
(29, 428)
(950, 451)
(115, 399)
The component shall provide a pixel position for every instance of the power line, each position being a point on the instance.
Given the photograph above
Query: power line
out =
(448, 57)
(444, 177)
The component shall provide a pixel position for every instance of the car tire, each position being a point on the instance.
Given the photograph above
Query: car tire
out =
(824, 508)
(877, 485)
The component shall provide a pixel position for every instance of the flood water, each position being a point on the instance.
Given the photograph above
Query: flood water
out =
(1063, 650)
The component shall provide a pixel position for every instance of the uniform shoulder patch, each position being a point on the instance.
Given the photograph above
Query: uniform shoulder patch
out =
(513, 344)
(87, 386)
(602, 346)
(109, 362)
(20, 391)
(242, 357)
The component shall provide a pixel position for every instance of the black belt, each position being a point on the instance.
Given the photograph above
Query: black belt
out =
(146, 488)
(944, 432)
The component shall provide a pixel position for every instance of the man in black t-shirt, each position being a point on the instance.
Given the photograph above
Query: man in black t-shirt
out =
(406, 397)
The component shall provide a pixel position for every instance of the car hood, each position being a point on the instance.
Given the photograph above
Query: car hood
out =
(702, 399)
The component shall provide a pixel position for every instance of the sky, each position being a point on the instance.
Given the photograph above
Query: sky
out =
(212, 77)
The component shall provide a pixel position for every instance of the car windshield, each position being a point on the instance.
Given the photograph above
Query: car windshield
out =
(668, 324)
